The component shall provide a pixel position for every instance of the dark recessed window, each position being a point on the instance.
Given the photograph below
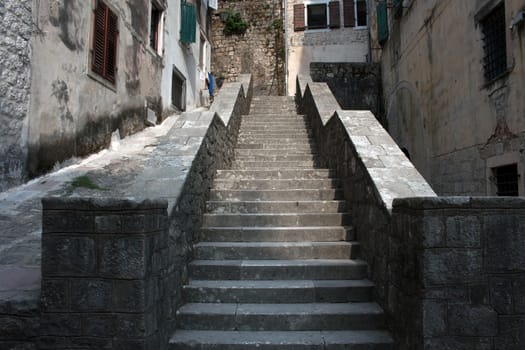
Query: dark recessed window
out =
(155, 27)
(105, 38)
(316, 16)
(360, 13)
(494, 43)
(506, 180)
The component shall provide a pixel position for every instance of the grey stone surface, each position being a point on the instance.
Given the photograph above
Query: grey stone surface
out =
(15, 83)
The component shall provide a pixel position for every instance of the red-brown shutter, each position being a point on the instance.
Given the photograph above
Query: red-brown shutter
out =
(335, 15)
(111, 50)
(348, 13)
(99, 40)
(298, 17)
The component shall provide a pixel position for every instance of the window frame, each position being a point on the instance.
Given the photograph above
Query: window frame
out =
(157, 15)
(317, 2)
(357, 24)
(490, 50)
(101, 73)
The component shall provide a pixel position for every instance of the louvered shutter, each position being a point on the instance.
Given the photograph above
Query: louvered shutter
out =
(382, 22)
(298, 17)
(111, 50)
(99, 39)
(349, 13)
(188, 23)
(335, 15)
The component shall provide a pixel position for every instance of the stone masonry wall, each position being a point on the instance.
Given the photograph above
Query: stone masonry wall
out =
(354, 85)
(459, 273)
(113, 269)
(260, 51)
(15, 73)
(448, 271)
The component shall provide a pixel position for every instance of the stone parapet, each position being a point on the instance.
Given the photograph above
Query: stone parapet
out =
(449, 271)
(114, 259)
(106, 274)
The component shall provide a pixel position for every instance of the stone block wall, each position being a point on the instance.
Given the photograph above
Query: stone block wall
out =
(448, 271)
(354, 85)
(459, 264)
(259, 51)
(106, 274)
(15, 80)
(113, 269)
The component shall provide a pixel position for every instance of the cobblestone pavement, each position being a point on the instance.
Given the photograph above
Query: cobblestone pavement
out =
(112, 171)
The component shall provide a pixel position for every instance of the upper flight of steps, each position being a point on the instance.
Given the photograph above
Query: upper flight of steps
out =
(278, 267)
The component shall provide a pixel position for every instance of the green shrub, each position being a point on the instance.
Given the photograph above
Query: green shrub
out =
(235, 25)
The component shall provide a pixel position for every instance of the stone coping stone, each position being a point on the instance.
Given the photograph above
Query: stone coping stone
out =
(104, 203)
(453, 202)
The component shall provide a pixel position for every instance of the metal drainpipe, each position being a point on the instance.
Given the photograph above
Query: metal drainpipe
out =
(285, 15)
(369, 60)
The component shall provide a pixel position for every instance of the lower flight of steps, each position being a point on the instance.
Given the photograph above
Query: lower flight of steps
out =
(278, 267)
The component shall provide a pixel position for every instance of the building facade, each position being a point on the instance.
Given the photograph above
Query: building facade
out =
(78, 71)
(324, 31)
(453, 80)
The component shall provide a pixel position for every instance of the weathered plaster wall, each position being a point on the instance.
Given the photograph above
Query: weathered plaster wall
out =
(73, 112)
(260, 51)
(324, 45)
(15, 73)
(184, 57)
(439, 106)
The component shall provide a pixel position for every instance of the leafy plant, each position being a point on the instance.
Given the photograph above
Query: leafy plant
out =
(235, 24)
(85, 182)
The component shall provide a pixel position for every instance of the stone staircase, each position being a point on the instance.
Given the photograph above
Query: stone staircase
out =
(277, 267)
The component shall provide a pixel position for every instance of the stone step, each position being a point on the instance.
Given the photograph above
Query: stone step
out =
(276, 220)
(245, 207)
(276, 131)
(274, 174)
(276, 158)
(277, 234)
(275, 151)
(272, 136)
(271, 184)
(288, 146)
(239, 164)
(273, 125)
(280, 291)
(275, 250)
(276, 195)
(281, 340)
(274, 119)
(274, 317)
(297, 269)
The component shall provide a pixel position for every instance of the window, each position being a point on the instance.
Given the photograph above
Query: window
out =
(105, 38)
(318, 14)
(155, 33)
(506, 180)
(494, 43)
(178, 90)
(360, 13)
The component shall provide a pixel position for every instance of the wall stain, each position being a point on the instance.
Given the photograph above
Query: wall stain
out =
(67, 17)
(139, 17)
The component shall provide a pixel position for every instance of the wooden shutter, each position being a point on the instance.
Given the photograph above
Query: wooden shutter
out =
(349, 13)
(382, 22)
(298, 17)
(335, 15)
(105, 38)
(111, 50)
(99, 39)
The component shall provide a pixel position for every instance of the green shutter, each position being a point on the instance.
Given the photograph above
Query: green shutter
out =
(188, 23)
(382, 22)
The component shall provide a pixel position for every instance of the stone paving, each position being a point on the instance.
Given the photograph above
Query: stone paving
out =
(113, 171)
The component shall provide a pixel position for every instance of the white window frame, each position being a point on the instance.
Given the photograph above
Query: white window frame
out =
(357, 25)
(317, 2)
